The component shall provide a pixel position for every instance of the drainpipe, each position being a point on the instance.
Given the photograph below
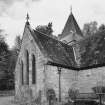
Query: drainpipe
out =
(59, 72)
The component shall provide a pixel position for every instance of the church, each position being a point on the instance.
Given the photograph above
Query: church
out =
(45, 63)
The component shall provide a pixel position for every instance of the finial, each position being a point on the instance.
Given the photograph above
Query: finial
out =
(27, 18)
(71, 8)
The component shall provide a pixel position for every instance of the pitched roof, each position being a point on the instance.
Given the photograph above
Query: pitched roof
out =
(71, 25)
(56, 52)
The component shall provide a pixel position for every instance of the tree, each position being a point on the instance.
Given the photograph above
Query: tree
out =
(46, 29)
(99, 89)
(94, 52)
(102, 27)
(7, 62)
(4, 63)
(11, 68)
(18, 42)
(73, 93)
(90, 28)
(13, 54)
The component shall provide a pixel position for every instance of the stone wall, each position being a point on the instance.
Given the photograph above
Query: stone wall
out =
(52, 80)
(90, 78)
(29, 44)
(84, 81)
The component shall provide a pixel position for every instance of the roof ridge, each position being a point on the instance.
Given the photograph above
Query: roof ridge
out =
(52, 38)
(43, 33)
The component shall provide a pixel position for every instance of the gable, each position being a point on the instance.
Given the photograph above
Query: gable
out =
(56, 51)
(53, 50)
(29, 44)
(71, 26)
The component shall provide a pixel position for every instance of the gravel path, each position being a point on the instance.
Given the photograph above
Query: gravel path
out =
(6, 100)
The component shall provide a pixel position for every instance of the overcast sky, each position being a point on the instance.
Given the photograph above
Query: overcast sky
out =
(13, 14)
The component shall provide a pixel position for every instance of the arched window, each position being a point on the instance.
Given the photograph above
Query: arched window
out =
(33, 69)
(22, 73)
(27, 67)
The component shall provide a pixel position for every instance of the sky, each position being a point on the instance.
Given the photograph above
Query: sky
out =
(41, 12)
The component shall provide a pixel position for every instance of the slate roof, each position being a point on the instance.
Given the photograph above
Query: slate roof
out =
(59, 54)
(56, 52)
(71, 25)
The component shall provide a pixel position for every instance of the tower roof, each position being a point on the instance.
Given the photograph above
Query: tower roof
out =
(71, 26)
(27, 19)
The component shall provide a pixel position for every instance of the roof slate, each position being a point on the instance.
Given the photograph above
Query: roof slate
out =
(56, 51)
(71, 25)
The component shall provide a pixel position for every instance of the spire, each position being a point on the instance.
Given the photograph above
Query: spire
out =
(71, 25)
(71, 8)
(27, 19)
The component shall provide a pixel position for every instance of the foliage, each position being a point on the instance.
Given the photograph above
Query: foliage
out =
(90, 28)
(6, 73)
(102, 27)
(73, 93)
(94, 52)
(7, 63)
(18, 42)
(50, 94)
(99, 89)
(4, 60)
(46, 29)
(13, 54)
(11, 68)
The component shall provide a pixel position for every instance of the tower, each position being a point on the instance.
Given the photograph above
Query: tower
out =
(71, 32)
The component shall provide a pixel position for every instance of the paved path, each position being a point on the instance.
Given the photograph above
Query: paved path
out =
(6, 100)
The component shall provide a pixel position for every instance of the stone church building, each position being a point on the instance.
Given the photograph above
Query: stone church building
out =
(45, 63)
